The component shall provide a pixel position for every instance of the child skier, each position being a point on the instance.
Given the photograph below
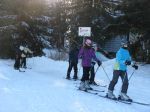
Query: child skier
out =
(86, 53)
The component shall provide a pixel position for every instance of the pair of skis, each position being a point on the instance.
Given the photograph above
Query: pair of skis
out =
(96, 92)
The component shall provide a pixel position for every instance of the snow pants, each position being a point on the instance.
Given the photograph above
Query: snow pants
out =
(124, 77)
(17, 63)
(74, 66)
(23, 62)
(86, 73)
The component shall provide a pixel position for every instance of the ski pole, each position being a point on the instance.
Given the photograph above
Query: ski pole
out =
(131, 74)
(105, 73)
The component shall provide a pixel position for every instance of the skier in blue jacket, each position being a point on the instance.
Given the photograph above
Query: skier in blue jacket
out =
(123, 59)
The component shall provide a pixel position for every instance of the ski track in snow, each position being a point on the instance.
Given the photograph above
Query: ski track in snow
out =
(45, 89)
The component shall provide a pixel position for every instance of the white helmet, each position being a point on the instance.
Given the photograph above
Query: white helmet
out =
(21, 48)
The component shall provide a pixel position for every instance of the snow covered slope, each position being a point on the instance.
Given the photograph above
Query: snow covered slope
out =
(45, 89)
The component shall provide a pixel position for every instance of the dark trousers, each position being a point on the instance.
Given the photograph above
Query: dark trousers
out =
(74, 66)
(23, 62)
(92, 74)
(17, 63)
(86, 73)
(124, 77)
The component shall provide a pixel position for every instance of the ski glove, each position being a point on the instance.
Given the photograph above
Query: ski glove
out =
(127, 62)
(92, 63)
(99, 63)
(135, 66)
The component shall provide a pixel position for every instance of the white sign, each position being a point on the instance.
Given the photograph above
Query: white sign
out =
(85, 31)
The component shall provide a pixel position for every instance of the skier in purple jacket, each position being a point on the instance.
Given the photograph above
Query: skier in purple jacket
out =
(87, 54)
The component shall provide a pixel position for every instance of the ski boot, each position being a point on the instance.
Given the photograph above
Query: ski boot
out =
(93, 83)
(75, 77)
(82, 86)
(68, 77)
(110, 95)
(87, 86)
(124, 97)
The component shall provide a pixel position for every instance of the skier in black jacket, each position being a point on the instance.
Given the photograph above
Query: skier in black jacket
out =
(73, 62)
(17, 59)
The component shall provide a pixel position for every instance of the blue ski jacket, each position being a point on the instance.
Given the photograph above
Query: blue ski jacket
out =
(121, 56)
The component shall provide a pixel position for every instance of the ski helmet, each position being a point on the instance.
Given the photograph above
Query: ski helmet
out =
(88, 42)
(124, 43)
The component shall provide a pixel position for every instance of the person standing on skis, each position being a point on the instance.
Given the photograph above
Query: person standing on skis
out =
(123, 59)
(73, 62)
(17, 59)
(87, 53)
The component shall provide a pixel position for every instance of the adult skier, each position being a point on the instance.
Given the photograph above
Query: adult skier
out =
(87, 53)
(73, 62)
(123, 59)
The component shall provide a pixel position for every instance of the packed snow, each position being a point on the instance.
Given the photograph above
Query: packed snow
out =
(43, 88)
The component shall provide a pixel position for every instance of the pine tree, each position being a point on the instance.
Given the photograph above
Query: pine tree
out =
(136, 16)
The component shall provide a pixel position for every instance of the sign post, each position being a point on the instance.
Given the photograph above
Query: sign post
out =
(84, 32)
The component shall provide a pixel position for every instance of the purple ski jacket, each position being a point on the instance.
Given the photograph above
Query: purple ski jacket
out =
(87, 55)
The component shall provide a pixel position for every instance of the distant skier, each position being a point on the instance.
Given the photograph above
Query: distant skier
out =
(86, 53)
(17, 59)
(73, 62)
(24, 52)
(123, 59)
